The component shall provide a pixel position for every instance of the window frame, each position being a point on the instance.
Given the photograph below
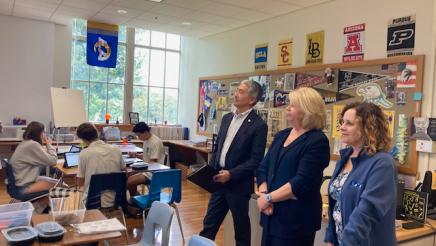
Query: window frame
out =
(129, 83)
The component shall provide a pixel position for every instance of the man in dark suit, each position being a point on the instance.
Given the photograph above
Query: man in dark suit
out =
(240, 148)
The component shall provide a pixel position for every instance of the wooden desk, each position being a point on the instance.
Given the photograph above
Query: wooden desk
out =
(74, 238)
(186, 152)
(152, 167)
(127, 148)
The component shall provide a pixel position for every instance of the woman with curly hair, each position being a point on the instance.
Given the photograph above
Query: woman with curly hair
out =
(362, 191)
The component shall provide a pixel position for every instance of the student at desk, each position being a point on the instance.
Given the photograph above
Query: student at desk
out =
(28, 159)
(153, 153)
(99, 157)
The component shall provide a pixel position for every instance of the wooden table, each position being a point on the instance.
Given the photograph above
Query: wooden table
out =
(71, 237)
(126, 148)
(152, 167)
(74, 238)
(186, 152)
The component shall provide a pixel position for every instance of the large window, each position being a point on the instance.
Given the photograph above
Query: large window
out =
(156, 76)
(155, 68)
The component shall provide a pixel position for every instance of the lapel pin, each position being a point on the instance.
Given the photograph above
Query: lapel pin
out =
(249, 120)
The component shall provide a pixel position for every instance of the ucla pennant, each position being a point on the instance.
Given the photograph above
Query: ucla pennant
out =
(102, 43)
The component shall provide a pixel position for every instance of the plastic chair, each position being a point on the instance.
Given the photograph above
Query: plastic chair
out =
(171, 178)
(116, 182)
(13, 190)
(197, 240)
(160, 214)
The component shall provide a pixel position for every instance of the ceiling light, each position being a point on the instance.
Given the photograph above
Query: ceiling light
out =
(157, 1)
(186, 23)
(121, 11)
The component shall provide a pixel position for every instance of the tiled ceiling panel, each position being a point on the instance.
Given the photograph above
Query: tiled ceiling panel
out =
(197, 18)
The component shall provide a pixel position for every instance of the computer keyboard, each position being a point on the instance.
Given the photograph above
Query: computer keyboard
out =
(412, 225)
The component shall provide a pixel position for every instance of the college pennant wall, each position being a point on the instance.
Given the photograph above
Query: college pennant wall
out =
(101, 44)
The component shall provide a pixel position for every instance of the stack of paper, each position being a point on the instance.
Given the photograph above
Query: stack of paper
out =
(100, 226)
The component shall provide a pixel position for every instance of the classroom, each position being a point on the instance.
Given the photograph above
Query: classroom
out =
(224, 122)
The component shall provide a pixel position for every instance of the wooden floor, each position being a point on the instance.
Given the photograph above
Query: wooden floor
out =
(192, 210)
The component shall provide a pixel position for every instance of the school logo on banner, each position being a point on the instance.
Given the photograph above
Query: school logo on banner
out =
(401, 36)
(350, 79)
(260, 56)
(353, 43)
(314, 47)
(101, 44)
(308, 80)
(285, 53)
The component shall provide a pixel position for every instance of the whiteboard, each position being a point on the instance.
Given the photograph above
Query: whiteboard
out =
(68, 107)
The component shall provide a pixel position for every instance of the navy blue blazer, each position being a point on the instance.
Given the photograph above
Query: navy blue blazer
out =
(301, 165)
(368, 201)
(245, 152)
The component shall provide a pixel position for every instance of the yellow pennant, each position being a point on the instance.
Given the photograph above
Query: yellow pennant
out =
(314, 48)
(285, 53)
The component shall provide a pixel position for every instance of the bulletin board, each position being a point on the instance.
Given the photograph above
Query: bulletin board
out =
(68, 107)
(395, 84)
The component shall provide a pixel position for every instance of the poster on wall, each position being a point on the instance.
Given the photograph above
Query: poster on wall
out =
(314, 48)
(401, 36)
(285, 53)
(265, 83)
(336, 120)
(276, 123)
(354, 39)
(260, 57)
(406, 78)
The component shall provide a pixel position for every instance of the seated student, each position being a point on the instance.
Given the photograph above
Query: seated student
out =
(153, 153)
(99, 157)
(28, 158)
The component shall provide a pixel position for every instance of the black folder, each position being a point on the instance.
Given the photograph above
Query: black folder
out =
(203, 177)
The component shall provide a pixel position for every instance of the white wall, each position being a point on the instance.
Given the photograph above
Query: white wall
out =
(233, 51)
(30, 59)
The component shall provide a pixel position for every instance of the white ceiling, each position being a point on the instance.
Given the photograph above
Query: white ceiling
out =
(207, 17)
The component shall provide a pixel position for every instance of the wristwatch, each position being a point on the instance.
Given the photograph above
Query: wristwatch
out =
(269, 198)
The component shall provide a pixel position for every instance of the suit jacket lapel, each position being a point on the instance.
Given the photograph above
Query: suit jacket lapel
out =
(244, 127)
(225, 123)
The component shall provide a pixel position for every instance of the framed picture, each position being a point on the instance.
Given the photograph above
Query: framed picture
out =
(134, 118)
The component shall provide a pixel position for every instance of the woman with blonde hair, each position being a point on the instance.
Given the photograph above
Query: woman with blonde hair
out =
(362, 191)
(290, 175)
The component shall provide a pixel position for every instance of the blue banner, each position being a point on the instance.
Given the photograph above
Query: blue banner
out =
(102, 45)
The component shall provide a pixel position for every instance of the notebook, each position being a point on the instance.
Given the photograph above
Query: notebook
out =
(71, 159)
(203, 177)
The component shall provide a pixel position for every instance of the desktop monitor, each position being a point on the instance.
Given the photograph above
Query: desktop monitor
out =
(429, 186)
(415, 205)
(400, 199)
(71, 159)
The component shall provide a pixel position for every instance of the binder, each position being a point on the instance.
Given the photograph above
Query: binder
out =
(203, 177)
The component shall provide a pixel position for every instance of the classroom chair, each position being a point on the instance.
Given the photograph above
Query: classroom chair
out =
(171, 178)
(13, 190)
(160, 214)
(197, 240)
(116, 182)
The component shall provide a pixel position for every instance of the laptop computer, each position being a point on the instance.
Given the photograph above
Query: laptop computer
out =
(415, 208)
(62, 149)
(71, 159)
(130, 160)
